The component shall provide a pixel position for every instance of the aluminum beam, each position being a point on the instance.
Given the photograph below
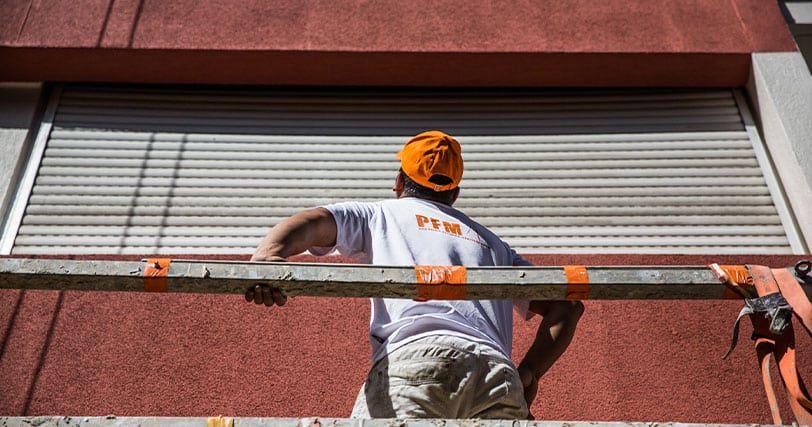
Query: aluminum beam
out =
(352, 280)
(114, 421)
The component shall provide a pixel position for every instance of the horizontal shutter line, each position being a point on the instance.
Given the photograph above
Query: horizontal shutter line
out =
(393, 99)
(281, 195)
(272, 160)
(569, 241)
(473, 211)
(397, 127)
(125, 230)
(660, 219)
(495, 202)
(545, 249)
(259, 230)
(170, 112)
(375, 184)
(75, 166)
(642, 171)
(650, 231)
(327, 156)
(60, 133)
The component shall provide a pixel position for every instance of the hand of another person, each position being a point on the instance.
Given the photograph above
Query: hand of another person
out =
(265, 294)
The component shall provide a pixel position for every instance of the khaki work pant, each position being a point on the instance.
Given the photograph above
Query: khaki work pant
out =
(442, 377)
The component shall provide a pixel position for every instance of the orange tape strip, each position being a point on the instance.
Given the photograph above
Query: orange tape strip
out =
(219, 422)
(737, 280)
(155, 274)
(441, 282)
(577, 282)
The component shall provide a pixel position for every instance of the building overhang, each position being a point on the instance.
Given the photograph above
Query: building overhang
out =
(343, 68)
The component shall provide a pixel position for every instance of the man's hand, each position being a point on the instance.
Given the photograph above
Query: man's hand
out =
(264, 294)
(531, 388)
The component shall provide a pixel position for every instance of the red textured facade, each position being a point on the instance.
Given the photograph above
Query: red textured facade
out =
(76, 353)
(421, 42)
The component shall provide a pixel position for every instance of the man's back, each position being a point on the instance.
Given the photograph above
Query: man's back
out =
(412, 231)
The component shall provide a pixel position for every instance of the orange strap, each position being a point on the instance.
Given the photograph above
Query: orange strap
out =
(783, 350)
(155, 274)
(577, 282)
(799, 399)
(763, 280)
(441, 282)
(782, 346)
(795, 296)
(755, 282)
(764, 349)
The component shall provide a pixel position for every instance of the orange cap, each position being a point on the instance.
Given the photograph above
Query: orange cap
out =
(432, 153)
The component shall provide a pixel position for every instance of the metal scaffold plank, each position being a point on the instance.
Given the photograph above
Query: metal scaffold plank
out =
(114, 421)
(353, 280)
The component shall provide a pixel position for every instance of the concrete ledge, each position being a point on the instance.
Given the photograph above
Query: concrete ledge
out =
(114, 421)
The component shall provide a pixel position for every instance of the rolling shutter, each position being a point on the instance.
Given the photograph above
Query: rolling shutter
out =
(133, 170)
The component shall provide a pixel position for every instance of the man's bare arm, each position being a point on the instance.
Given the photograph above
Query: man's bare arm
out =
(294, 235)
(554, 335)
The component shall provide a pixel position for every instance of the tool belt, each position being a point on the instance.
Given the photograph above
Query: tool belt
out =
(771, 297)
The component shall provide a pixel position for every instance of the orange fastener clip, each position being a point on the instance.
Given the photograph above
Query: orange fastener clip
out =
(155, 274)
(219, 422)
(441, 282)
(577, 282)
(737, 280)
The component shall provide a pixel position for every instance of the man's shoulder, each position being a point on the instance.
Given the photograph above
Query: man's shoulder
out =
(352, 204)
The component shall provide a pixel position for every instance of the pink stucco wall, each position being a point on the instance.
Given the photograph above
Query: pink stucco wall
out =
(420, 42)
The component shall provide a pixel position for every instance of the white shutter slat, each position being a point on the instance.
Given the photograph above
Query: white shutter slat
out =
(469, 202)
(641, 170)
(562, 231)
(375, 184)
(172, 171)
(157, 164)
(661, 219)
(274, 195)
(504, 212)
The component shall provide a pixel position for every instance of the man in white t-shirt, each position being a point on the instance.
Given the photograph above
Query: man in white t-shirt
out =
(437, 358)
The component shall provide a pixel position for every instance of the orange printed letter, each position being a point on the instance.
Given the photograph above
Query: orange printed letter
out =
(452, 228)
(421, 220)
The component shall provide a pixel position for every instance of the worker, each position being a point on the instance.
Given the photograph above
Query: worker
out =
(437, 358)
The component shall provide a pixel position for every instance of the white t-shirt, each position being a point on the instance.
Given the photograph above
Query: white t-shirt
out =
(412, 231)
